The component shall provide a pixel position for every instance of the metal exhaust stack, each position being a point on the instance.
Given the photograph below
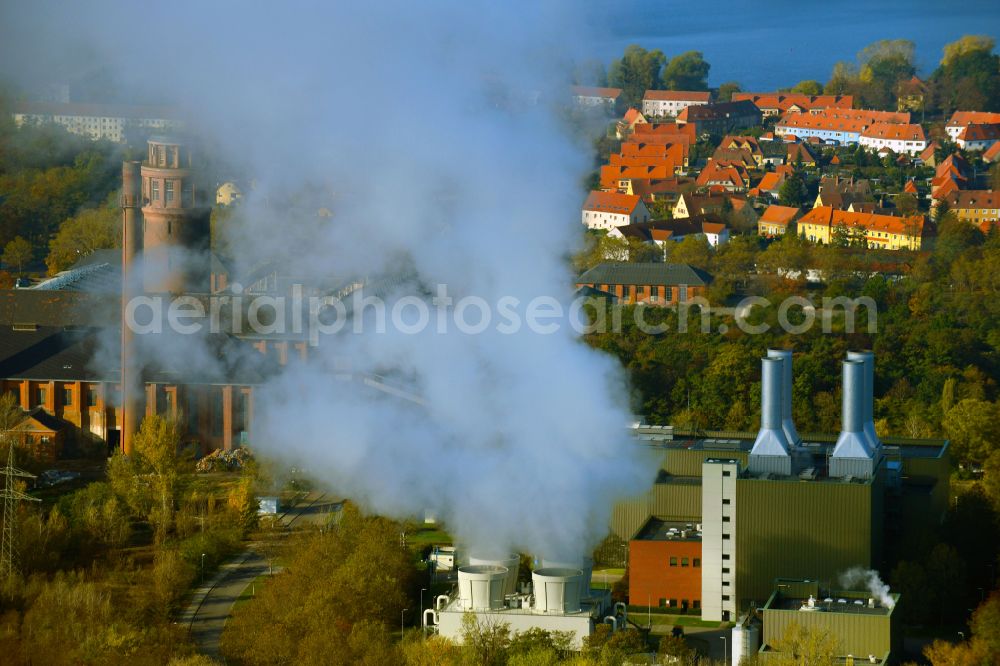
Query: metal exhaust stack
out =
(868, 358)
(770, 449)
(787, 425)
(852, 456)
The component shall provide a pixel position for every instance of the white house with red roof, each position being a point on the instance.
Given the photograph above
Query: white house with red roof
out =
(607, 210)
(978, 136)
(962, 119)
(595, 96)
(899, 138)
(671, 102)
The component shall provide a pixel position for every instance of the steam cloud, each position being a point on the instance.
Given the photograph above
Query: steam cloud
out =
(871, 580)
(427, 129)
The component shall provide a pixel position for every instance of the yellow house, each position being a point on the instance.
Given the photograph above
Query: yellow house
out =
(889, 232)
(978, 207)
(227, 194)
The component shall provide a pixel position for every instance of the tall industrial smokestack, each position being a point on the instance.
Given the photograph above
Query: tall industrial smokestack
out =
(131, 387)
(770, 449)
(868, 399)
(787, 425)
(852, 455)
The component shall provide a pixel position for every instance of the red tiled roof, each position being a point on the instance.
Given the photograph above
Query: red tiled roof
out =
(611, 202)
(827, 215)
(910, 187)
(983, 132)
(592, 91)
(894, 132)
(771, 182)
(784, 101)
(975, 199)
(631, 116)
(962, 118)
(779, 214)
(677, 96)
(992, 153)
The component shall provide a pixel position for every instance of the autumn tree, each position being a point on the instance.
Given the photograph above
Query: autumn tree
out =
(808, 87)
(803, 645)
(17, 253)
(974, 429)
(89, 230)
(149, 479)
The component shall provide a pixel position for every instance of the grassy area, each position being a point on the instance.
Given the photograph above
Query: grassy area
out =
(426, 536)
(610, 572)
(248, 594)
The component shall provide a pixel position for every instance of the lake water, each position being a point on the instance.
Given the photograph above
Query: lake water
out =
(769, 44)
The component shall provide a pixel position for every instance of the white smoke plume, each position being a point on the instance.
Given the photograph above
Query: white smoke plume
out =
(872, 582)
(429, 128)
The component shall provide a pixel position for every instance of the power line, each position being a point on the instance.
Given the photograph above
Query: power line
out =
(10, 494)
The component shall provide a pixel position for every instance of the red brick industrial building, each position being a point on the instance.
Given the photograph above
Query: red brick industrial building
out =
(664, 566)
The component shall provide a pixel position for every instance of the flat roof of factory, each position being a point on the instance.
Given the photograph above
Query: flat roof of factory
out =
(668, 530)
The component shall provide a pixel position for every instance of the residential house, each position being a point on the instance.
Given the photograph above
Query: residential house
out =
(769, 185)
(951, 174)
(843, 126)
(962, 119)
(626, 126)
(822, 225)
(838, 192)
(671, 102)
(731, 177)
(613, 177)
(607, 210)
(116, 123)
(712, 227)
(780, 103)
(977, 136)
(654, 283)
(650, 190)
(929, 156)
(689, 204)
(228, 193)
(800, 153)
(41, 433)
(674, 152)
(777, 220)
(897, 137)
(974, 206)
(910, 94)
(596, 96)
(992, 154)
(720, 118)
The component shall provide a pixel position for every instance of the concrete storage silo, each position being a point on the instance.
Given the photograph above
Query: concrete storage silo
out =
(556, 590)
(480, 586)
(584, 564)
(512, 563)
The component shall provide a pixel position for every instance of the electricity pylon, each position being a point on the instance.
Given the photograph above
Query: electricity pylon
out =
(10, 494)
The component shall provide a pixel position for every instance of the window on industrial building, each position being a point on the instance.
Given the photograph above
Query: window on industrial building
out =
(725, 569)
(673, 603)
(726, 473)
(725, 519)
(726, 501)
(91, 397)
(684, 561)
(725, 597)
(696, 604)
(725, 556)
(673, 561)
(725, 583)
(725, 537)
(697, 561)
(663, 603)
(67, 397)
(42, 395)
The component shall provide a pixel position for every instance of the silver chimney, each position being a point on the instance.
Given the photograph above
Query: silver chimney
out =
(787, 425)
(770, 449)
(868, 358)
(852, 455)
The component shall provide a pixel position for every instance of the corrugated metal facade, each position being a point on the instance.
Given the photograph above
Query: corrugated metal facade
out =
(668, 501)
(687, 462)
(856, 634)
(799, 529)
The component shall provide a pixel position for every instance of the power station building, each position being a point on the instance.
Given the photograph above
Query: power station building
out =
(774, 504)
